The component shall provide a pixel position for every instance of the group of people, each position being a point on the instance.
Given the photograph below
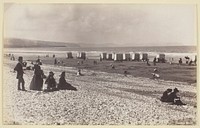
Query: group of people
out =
(171, 97)
(37, 80)
(188, 61)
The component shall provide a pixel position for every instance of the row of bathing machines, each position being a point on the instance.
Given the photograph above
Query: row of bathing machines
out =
(119, 56)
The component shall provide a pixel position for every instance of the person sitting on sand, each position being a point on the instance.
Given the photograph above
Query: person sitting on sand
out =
(63, 85)
(79, 73)
(95, 62)
(51, 82)
(20, 72)
(125, 73)
(165, 95)
(155, 75)
(113, 67)
(174, 99)
(155, 70)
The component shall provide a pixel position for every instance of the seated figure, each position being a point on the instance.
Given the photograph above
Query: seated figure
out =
(63, 85)
(165, 95)
(51, 82)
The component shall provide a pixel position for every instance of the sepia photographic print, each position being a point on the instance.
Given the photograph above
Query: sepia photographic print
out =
(99, 64)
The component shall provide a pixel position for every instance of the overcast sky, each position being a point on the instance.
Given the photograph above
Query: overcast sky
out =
(121, 25)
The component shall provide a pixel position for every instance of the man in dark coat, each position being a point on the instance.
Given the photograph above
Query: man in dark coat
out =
(20, 72)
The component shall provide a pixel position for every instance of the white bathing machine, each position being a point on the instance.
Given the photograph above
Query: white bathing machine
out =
(136, 56)
(69, 55)
(144, 56)
(109, 56)
(81, 55)
(103, 56)
(161, 58)
(118, 57)
(127, 56)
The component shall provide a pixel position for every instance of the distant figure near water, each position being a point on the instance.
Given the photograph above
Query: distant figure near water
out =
(20, 72)
(180, 61)
(154, 61)
(155, 74)
(63, 85)
(79, 73)
(55, 61)
(148, 62)
(37, 80)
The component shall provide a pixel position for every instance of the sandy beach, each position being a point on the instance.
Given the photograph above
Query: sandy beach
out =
(103, 98)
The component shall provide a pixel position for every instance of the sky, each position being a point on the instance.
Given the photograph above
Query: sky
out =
(101, 24)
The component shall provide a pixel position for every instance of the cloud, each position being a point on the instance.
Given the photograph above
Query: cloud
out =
(127, 25)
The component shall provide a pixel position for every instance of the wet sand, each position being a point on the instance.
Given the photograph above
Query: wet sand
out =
(174, 72)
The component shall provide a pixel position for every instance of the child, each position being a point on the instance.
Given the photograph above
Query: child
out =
(51, 82)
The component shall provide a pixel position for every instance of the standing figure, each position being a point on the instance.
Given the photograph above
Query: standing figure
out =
(180, 61)
(63, 85)
(154, 61)
(148, 62)
(20, 72)
(37, 80)
(55, 61)
(51, 82)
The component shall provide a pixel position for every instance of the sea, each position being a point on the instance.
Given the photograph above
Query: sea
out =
(170, 52)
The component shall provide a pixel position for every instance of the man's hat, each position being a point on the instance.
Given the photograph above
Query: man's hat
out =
(51, 73)
(20, 58)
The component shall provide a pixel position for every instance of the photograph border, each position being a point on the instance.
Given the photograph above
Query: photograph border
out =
(195, 2)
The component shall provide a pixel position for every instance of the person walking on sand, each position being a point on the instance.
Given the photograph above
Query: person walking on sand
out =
(63, 85)
(37, 80)
(51, 82)
(20, 72)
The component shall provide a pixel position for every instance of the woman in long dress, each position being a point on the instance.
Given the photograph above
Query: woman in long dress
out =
(37, 80)
(63, 85)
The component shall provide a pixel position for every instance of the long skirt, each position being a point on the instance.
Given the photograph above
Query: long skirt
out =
(36, 83)
(66, 86)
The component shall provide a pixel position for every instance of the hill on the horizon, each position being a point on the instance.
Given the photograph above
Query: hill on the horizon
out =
(23, 43)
